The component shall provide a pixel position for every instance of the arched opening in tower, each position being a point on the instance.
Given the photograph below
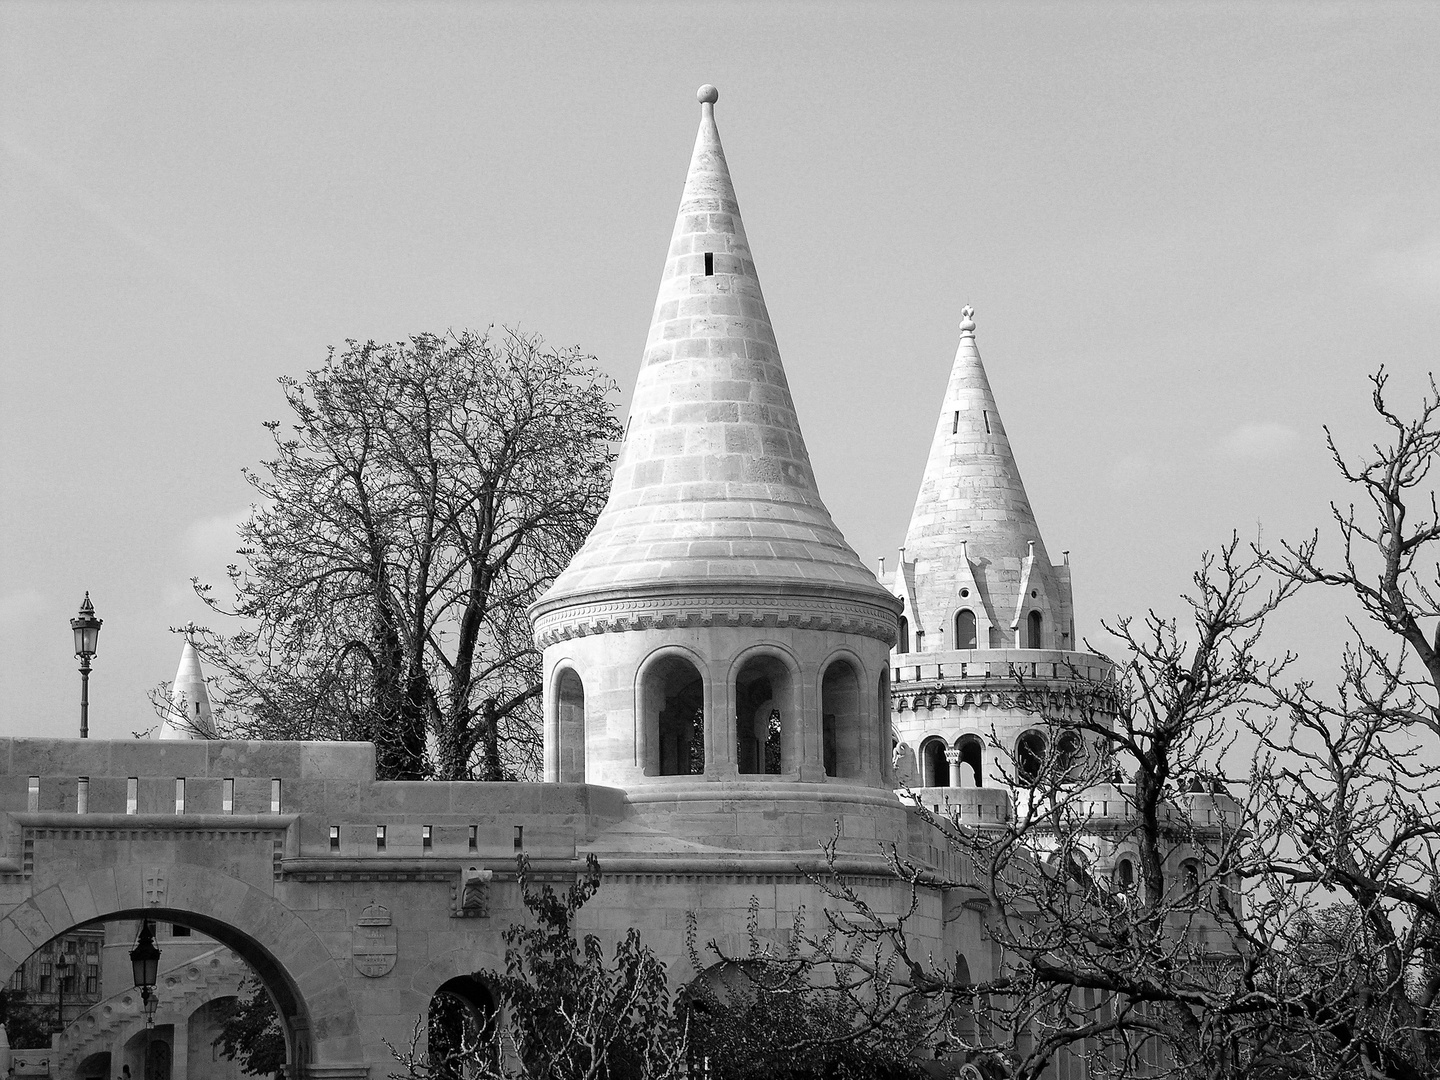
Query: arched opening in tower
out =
(935, 770)
(965, 1022)
(459, 1026)
(1069, 754)
(1036, 621)
(1030, 751)
(972, 753)
(764, 717)
(884, 733)
(840, 713)
(965, 629)
(903, 645)
(675, 718)
(569, 752)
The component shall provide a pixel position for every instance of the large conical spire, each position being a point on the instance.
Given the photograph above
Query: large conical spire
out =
(973, 537)
(713, 483)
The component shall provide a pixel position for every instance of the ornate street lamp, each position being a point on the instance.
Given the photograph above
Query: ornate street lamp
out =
(64, 964)
(145, 961)
(87, 634)
(145, 967)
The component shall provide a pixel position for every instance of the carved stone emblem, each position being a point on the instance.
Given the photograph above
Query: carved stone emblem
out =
(474, 899)
(373, 942)
(154, 886)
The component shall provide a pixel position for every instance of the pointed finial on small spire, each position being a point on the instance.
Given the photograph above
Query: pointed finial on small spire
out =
(967, 319)
(707, 95)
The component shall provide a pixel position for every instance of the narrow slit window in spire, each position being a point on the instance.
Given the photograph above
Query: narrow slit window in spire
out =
(709, 264)
(987, 422)
(955, 424)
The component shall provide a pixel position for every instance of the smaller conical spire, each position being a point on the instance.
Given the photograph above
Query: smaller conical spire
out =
(190, 716)
(973, 536)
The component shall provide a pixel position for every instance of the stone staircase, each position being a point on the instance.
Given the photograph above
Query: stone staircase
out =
(181, 990)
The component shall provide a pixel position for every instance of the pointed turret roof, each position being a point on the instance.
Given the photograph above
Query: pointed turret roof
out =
(190, 716)
(972, 523)
(713, 484)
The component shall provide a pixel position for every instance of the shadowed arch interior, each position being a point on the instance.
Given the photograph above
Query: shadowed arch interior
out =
(765, 721)
(569, 728)
(674, 710)
(289, 1004)
(461, 1013)
(972, 757)
(934, 768)
(840, 720)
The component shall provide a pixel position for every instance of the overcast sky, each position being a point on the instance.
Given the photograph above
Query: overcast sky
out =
(1189, 232)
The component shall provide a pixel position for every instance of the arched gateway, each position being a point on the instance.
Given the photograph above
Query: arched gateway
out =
(281, 948)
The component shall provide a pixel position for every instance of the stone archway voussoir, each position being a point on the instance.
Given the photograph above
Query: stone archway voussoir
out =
(462, 960)
(80, 899)
(52, 904)
(30, 926)
(102, 889)
(214, 894)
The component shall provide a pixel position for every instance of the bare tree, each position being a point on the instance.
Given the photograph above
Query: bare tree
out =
(1350, 776)
(421, 497)
(1111, 896)
(1292, 931)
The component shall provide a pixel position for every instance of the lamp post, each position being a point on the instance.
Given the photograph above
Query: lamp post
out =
(145, 967)
(64, 963)
(87, 633)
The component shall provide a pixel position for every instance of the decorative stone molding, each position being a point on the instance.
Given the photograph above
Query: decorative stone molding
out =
(1058, 698)
(752, 610)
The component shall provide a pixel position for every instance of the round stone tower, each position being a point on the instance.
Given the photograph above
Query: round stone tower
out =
(986, 615)
(716, 638)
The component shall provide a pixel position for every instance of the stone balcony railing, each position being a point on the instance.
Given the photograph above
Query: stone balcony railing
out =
(1001, 665)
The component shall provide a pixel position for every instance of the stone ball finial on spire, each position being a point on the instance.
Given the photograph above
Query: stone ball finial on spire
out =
(967, 319)
(707, 95)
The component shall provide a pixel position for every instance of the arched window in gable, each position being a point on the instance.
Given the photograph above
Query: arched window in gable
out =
(903, 646)
(965, 629)
(1035, 622)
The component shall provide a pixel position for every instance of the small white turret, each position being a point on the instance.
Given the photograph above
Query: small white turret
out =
(189, 716)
